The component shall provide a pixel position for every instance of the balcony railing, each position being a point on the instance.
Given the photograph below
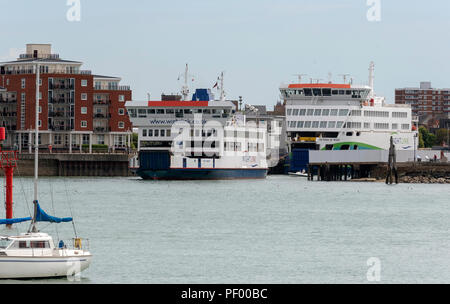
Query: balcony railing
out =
(102, 129)
(102, 116)
(102, 102)
(112, 88)
(8, 100)
(40, 56)
(61, 100)
(59, 72)
(8, 114)
(61, 87)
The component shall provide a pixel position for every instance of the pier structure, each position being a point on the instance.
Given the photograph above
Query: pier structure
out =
(372, 165)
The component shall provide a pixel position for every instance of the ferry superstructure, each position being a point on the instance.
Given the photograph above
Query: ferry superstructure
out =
(329, 116)
(202, 138)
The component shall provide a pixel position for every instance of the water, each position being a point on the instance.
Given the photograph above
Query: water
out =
(280, 230)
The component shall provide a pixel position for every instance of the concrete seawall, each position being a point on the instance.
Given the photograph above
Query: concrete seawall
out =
(106, 165)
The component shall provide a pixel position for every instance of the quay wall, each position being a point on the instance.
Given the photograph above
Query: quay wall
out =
(94, 165)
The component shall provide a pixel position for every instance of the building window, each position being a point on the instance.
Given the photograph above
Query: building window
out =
(40, 95)
(121, 111)
(40, 123)
(100, 139)
(121, 125)
(84, 124)
(23, 85)
(84, 96)
(83, 110)
(40, 110)
(84, 82)
(122, 98)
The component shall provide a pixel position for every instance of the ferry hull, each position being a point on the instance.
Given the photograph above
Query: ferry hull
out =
(39, 268)
(203, 174)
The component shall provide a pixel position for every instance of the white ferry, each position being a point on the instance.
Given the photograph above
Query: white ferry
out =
(329, 116)
(198, 139)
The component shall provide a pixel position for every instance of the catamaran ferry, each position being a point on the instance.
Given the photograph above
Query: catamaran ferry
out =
(197, 139)
(328, 116)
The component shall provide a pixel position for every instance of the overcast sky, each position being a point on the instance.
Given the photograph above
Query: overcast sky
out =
(258, 43)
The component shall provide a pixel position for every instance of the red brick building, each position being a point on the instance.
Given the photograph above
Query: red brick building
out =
(76, 107)
(426, 102)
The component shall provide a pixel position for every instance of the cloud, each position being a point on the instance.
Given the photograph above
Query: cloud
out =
(12, 54)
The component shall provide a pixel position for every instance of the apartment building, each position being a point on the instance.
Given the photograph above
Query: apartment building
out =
(77, 109)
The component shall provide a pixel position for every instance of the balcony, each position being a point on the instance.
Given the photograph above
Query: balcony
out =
(60, 128)
(61, 100)
(61, 87)
(102, 129)
(41, 56)
(102, 102)
(102, 116)
(59, 72)
(8, 114)
(60, 114)
(112, 88)
(8, 100)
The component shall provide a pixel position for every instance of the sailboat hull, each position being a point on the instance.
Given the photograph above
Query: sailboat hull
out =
(42, 267)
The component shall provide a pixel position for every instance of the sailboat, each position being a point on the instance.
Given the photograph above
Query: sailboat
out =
(33, 254)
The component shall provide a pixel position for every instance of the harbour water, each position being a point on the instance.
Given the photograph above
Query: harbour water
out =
(280, 230)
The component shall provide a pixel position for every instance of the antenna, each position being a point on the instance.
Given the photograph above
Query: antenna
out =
(317, 80)
(300, 76)
(185, 87)
(371, 78)
(330, 77)
(344, 76)
(222, 91)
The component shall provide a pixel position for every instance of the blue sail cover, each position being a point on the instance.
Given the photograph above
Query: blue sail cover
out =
(41, 216)
(15, 221)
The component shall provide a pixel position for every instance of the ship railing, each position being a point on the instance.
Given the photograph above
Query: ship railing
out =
(74, 244)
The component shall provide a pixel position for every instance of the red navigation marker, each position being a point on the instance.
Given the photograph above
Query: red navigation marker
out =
(8, 164)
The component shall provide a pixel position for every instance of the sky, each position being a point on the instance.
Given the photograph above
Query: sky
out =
(259, 44)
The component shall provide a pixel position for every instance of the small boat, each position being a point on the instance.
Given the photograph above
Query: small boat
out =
(33, 255)
(299, 174)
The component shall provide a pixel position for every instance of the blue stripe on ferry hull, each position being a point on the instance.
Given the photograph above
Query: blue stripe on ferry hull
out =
(202, 174)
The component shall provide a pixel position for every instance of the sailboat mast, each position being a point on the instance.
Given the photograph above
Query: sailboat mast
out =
(36, 152)
(33, 227)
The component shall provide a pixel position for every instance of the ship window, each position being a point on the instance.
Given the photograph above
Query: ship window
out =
(317, 112)
(310, 112)
(4, 243)
(150, 133)
(187, 111)
(40, 244)
(315, 124)
(163, 133)
(300, 124)
(345, 147)
(331, 124)
(367, 125)
(317, 92)
(325, 112)
(358, 133)
(339, 124)
(326, 92)
(170, 111)
(151, 111)
(206, 111)
(24, 244)
(144, 132)
(160, 111)
(334, 112)
(329, 147)
(335, 92)
(289, 112)
(308, 92)
(323, 124)
(343, 112)
(348, 92)
(295, 113)
(302, 112)
(156, 133)
(349, 134)
(307, 124)
(341, 92)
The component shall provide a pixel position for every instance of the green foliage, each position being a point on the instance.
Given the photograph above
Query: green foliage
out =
(134, 141)
(442, 136)
(429, 139)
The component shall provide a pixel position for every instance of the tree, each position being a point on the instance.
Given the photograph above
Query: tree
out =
(428, 138)
(442, 136)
